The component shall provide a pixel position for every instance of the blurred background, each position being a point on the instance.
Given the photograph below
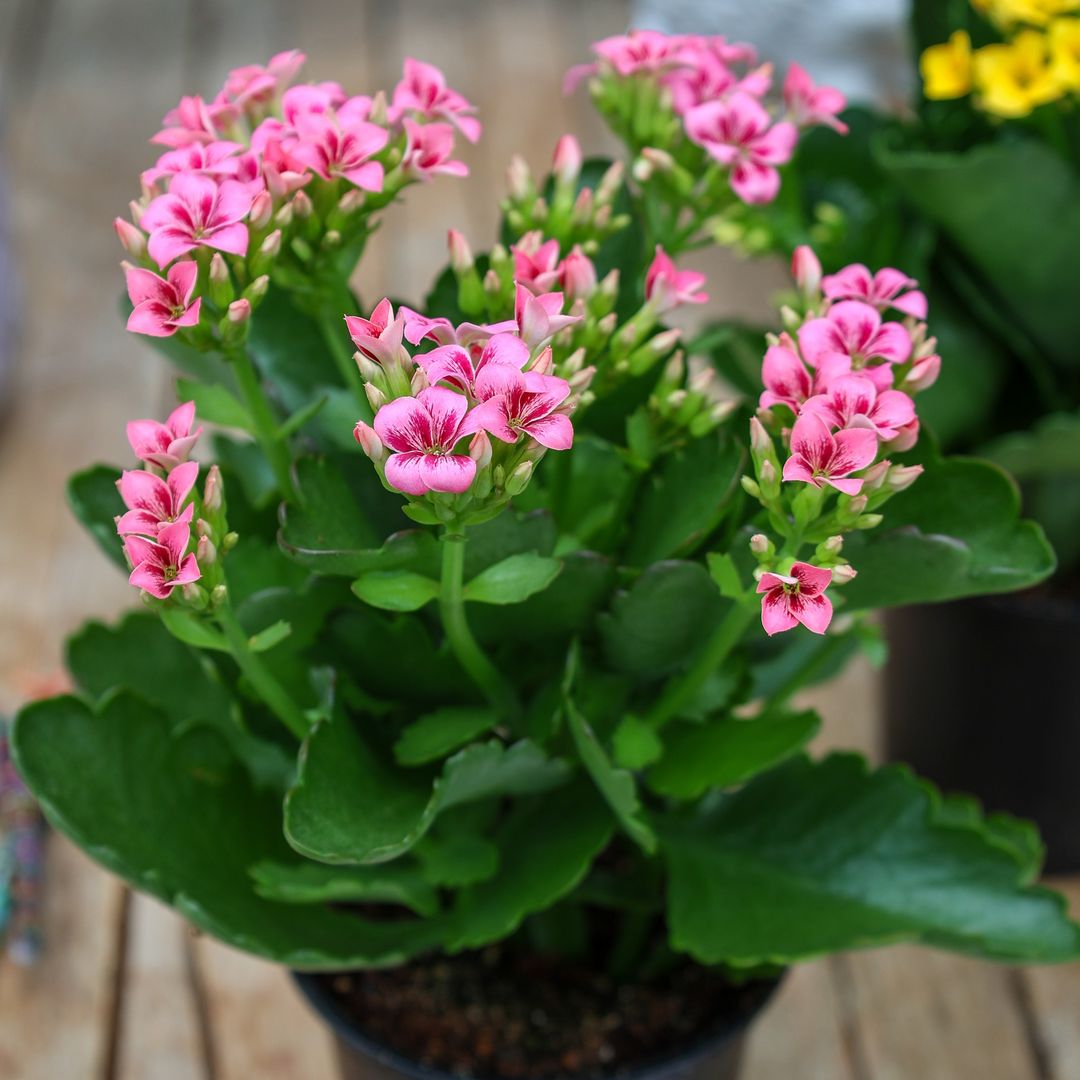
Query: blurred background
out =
(121, 989)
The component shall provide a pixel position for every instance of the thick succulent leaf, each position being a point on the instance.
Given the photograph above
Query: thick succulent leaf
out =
(94, 500)
(437, 733)
(352, 803)
(454, 859)
(955, 532)
(396, 590)
(532, 876)
(176, 817)
(684, 499)
(814, 857)
(726, 752)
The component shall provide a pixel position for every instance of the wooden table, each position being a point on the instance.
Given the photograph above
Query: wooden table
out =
(125, 990)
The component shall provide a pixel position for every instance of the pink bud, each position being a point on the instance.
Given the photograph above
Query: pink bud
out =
(582, 211)
(134, 240)
(461, 257)
(351, 201)
(239, 311)
(578, 274)
(302, 205)
(213, 493)
(480, 449)
(376, 398)
(760, 442)
(519, 179)
(219, 271)
(543, 364)
(874, 477)
(271, 246)
(610, 183)
(262, 206)
(841, 575)
(907, 438)
(760, 545)
(902, 477)
(205, 552)
(806, 269)
(419, 381)
(566, 164)
(369, 442)
(923, 374)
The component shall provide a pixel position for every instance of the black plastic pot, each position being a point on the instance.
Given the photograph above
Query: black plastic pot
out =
(362, 1058)
(983, 697)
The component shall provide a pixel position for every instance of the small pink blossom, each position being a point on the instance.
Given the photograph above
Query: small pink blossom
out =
(427, 151)
(165, 445)
(194, 120)
(787, 380)
(644, 50)
(667, 287)
(453, 364)
(154, 503)
(378, 338)
(161, 306)
(423, 90)
(854, 330)
(421, 433)
(536, 262)
(887, 288)
(710, 78)
(905, 438)
(539, 318)
(811, 104)
(332, 147)
(158, 567)
(513, 403)
(470, 336)
(854, 401)
(217, 159)
(739, 133)
(577, 275)
(197, 212)
(311, 99)
(798, 597)
(254, 84)
(818, 457)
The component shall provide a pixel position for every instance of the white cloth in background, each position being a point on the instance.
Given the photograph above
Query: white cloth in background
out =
(862, 47)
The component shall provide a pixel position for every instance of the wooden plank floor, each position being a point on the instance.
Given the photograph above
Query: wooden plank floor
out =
(124, 989)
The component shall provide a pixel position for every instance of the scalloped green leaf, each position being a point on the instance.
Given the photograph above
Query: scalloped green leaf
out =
(437, 733)
(396, 590)
(94, 500)
(175, 816)
(815, 857)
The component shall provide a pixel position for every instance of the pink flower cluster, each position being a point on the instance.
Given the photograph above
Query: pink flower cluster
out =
(539, 268)
(718, 89)
(232, 163)
(478, 381)
(157, 525)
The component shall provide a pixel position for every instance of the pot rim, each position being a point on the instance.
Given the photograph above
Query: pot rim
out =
(316, 991)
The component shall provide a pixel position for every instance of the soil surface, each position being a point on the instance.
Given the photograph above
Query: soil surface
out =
(496, 1015)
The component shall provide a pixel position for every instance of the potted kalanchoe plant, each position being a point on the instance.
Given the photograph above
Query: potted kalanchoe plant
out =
(495, 716)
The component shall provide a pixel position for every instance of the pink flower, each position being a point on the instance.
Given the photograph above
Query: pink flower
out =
(332, 147)
(666, 287)
(513, 403)
(811, 104)
(311, 99)
(158, 567)
(378, 338)
(905, 438)
(540, 318)
(162, 305)
(881, 290)
(453, 364)
(197, 212)
(787, 380)
(217, 159)
(165, 445)
(787, 600)
(923, 374)
(193, 120)
(254, 84)
(855, 331)
(709, 78)
(427, 151)
(577, 274)
(423, 90)
(643, 50)
(818, 457)
(737, 133)
(854, 401)
(470, 336)
(154, 503)
(422, 432)
(536, 264)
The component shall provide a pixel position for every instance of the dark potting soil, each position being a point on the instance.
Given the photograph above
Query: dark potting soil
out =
(498, 1015)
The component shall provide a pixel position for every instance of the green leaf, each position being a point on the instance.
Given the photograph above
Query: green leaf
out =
(317, 883)
(94, 500)
(193, 630)
(727, 752)
(352, 803)
(814, 857)
(657, 624)
(955, 532)
(723, 571)
(175, 816)
(575, 828)
(396, 590)
(302, 416)
(457, 859)
(617, 786)
(635, 743)
(1052, 446)
(438, 733)
(273, 635)
(684, 498)
(513, 580)
(247, 462)
(215, 404)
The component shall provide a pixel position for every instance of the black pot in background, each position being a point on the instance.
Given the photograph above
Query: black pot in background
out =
(716, 1058)
(983, 697)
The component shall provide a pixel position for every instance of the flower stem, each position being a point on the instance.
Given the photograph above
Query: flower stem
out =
(471, 657)
(274, 695)
(332, 328)
(262, 416)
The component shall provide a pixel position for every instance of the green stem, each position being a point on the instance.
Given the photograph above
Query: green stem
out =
(332, 327)
(681, 691)
(274, 695)
(471, 657)
(266, 425)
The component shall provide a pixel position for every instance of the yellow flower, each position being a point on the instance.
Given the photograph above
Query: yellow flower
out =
(1015, 78)
(1032, 12)
(1064, 37)
(946, 69)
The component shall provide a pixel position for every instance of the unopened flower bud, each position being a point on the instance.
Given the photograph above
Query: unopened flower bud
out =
(519, 479)
(750, 486)
(760, 544)
(239, 312)
(543, 364)
(833, 546)
(220, 287)
(377, 113)
(262, 207)
(609, 285)
(419, 381)
(675, 369)
(665, 341)
(582, 380)
(721, 410)
(351, 201)
(213, 491)
(676, 399)
(902, 477)
(302, 206)
(906, 438)
(874, 476)
(480, 450)
(370, 370)
(136, 209)
(702, 380)
(869, 521)
(203, 528)
(461, 256)
(857, 504)
(219, 596)
(806, 269)
(610, 184)
(519, 179)
(271, 246)
(567, 160)
(133, 239)
(844, 573)
(606, 326)
(194, 595)
(769, 478)
(369, 442)
(376, 398)
(492, 283)
(642, 170)
(923, 374)
(760, 441)
(229, 541)
(578, 274)
(582, 211)
(205, 552)
(790, 318)
(573, 363)
(284, 217)
(331, 238)
(257, 289)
